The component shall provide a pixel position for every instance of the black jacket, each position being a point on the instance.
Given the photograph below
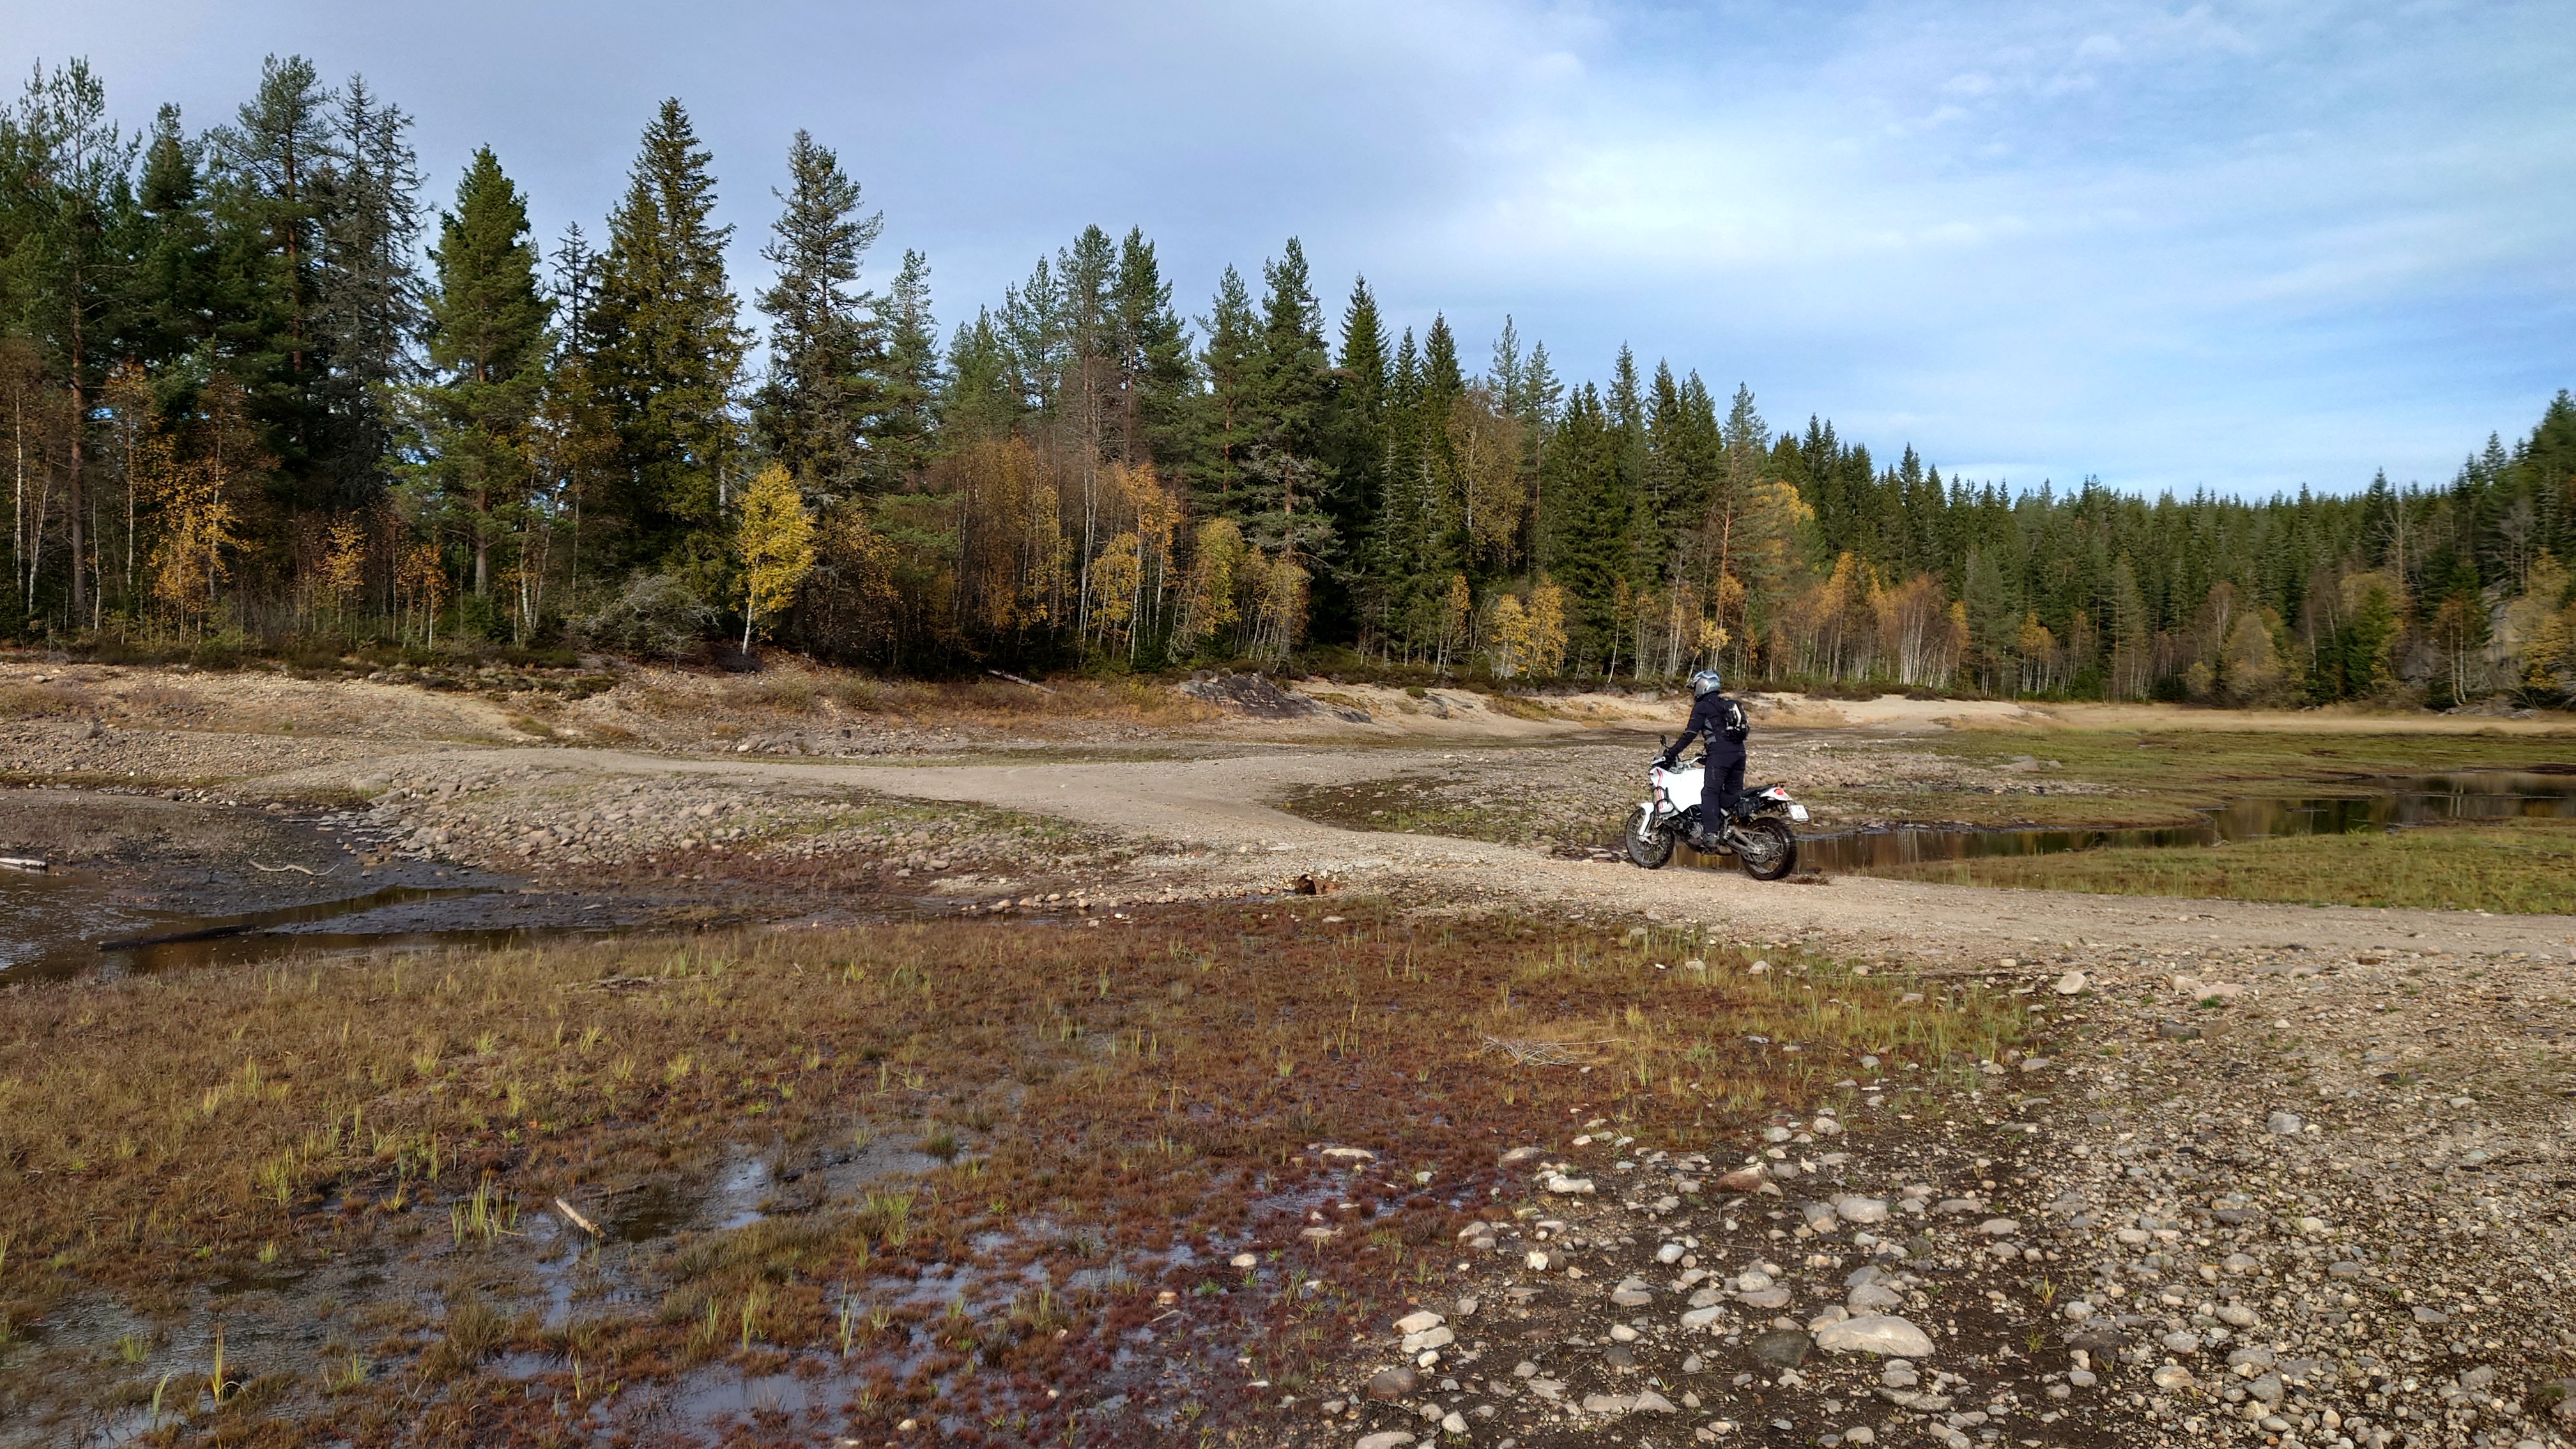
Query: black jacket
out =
(1723, 723)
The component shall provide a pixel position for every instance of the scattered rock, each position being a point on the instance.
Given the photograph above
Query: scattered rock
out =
(1871, 1297)
(2073, 983)
(1744, 1179)
(1394, 1383)
(1780, 1347)
(1884, 1334)
(2284, 1124)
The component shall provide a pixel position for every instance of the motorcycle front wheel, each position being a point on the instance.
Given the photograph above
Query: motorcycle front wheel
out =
(1766, 849)
(1649, 844)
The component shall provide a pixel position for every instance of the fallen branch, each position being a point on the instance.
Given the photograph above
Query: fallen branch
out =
(23, 862)
(274, 869)
(575, 1218)
(1015, 679)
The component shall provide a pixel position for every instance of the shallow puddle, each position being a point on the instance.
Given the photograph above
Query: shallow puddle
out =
(2427, 800)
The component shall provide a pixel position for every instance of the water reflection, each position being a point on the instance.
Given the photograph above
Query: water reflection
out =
(69, 922)
(2431, 799)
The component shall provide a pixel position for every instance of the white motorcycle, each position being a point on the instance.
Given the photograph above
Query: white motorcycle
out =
(1756, 832)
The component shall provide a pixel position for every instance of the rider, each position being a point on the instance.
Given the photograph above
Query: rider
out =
(1723, 723)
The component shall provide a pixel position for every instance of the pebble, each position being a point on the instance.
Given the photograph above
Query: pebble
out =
(1245, 1260)
(1394, 1383)
(1862, 1211)
(1384, 1439)
(2284, 1124)
(2073, 983)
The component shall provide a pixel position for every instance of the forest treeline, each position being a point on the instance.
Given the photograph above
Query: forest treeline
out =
(258, 394)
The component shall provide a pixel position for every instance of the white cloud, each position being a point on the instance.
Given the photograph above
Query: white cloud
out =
(2244, 243)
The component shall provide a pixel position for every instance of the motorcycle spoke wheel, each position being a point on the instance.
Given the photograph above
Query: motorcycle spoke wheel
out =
(1648, 845)
(1767, 850)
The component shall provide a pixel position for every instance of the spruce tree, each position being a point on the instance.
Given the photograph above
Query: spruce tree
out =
(827, 354)
(669, 352)
(1355, 451)
(979, 399)
(366, 294)
(1230, 360)
(170, 300)
(1285, 485)
(270, 206)
(488, 342)
(1156, 382)
(908, 412)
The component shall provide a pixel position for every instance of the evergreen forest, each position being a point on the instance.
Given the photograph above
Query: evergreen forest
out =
(266, 387)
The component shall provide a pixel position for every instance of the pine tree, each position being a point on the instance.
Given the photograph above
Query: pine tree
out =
(69, 169)
(827, 352)
(487, 339)
(669, 352)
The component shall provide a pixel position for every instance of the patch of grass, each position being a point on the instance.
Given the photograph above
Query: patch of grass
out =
(2520, 866)
(40, 701)
(1147, 1085)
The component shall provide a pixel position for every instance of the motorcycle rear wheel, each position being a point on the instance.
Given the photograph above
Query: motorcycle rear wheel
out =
(1767, 850)
(1649, 845)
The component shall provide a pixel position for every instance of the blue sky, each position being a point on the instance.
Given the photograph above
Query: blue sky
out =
(2246, 246)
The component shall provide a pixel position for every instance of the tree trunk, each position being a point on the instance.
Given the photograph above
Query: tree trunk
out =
(72, 497)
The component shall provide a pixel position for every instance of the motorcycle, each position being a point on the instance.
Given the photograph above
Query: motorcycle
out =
(1756, 831)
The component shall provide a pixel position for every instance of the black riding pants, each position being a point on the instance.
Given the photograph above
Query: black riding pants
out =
(1720, 787)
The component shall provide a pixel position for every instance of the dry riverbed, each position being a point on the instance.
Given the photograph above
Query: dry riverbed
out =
(820, 1149)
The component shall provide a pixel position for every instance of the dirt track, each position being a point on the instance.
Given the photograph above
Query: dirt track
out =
(1215, 792)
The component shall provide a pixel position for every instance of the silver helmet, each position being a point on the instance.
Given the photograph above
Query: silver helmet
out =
(1705, 682)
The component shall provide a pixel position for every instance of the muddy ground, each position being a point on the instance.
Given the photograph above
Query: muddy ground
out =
(2269, 1174)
